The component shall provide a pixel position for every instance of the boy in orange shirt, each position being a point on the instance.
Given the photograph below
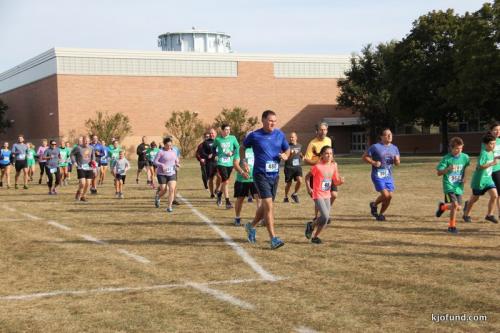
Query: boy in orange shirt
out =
(324, 173)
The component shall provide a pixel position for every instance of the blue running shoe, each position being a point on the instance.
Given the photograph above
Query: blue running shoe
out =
(237, 221)
(170, 210)
(276, 242)
(251, 233)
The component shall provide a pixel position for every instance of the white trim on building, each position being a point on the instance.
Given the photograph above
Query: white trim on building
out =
(158, 63)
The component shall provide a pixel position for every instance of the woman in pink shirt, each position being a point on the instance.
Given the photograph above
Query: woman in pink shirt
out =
(323, 174)
(167, 163)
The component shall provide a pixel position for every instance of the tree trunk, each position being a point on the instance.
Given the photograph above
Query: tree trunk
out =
(444, 134)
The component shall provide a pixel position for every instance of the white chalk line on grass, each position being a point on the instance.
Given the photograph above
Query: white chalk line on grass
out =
(86, 237)
(26, 297)
(58, 225)
(229, 241)
(303, 329)
(220, 295)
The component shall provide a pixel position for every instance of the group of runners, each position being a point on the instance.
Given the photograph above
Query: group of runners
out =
(256, 161)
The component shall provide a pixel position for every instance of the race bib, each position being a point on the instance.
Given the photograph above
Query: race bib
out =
(21, 156)
(296, 162)
(170, 169)
(272, 166)
(120, 171)
(103, 159)
(382, 173)
(53, 170)
(326, 184)
(86, 166)
(455, 178)
(225, 159)
(6, 159)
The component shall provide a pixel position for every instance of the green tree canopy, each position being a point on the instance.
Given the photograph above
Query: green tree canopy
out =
(107, 126)
(239, 121)
(187, 128)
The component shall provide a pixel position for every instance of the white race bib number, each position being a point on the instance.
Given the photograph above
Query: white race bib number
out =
(6, 159)
(120, 171)
(86, 166)
(53, 170)
(225, 159)
(170, 169)
(382, 173)
(103, 159)
(21, 156)
(326, 184)
(272, 166)
(296, 162)
(455, 178)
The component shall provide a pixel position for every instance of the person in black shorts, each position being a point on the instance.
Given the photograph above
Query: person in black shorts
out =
(293, 168)
(83, 159)
(142, 160)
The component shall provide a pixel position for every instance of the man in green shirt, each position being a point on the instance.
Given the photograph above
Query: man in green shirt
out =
(481, 180)
(226, 147)
(452, 169)
(244, 185)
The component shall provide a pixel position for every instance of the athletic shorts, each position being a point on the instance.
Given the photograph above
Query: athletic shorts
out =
(30, 163)
(3, 166)
(85, 174)
(483, 191)
(163, 179)
(496, 179)
(242, 190)
(291, 173)
(105, 164)
(121, 177)
(383, 184)
(141, 165)
(21, 164)
(70, 167)
(266, 187)
(453, 197)
(42, 164)
(333, 187)
(224, 172)
(150, 163)
(210, 168)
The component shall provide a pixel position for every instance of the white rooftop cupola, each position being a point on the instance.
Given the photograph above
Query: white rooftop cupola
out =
(195, 41)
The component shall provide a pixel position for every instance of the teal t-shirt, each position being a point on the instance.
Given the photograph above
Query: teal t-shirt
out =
(496, 152)
(114, 154)
(64, 153)
(151, 153)
(223, 146)
(482, 177)
(453, 180)
(250, 160)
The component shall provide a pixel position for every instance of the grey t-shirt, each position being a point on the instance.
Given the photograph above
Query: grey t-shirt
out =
(295, 159)
(53, 158)
(19, 150)
(82, 156)
(120, 165)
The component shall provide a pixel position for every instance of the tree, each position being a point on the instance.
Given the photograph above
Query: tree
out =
(423, 72)
(366, 88)
(4, 123)
(239, 121)
(107, 126)
(187, 129)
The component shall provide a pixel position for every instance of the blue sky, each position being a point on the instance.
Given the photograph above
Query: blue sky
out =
(30, 27)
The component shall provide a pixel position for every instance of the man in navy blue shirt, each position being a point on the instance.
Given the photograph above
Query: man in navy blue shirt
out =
(269, 146)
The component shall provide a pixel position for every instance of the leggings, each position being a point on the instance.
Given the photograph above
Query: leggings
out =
(51, 177)
(323, 206)
(42, 167)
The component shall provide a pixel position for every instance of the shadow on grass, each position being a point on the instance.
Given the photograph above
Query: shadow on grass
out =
(410, 244)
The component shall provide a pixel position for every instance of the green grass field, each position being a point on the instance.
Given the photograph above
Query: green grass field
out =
(115, 265)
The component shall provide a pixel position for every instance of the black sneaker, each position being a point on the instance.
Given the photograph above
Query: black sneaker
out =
(452, 230)
(25, 187)
(219, 199)
(295, 198)
(250, 199)
(373, 209)
(491, 218)
(137, 180)
(229, 205)
(329, 221)
(286, 200)
(467, 219)
(309, 230)
(39, 181)
(175, 202)
(440, 209)
(316, 240)
(212, 196)
(93, 191)
(380, 218)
